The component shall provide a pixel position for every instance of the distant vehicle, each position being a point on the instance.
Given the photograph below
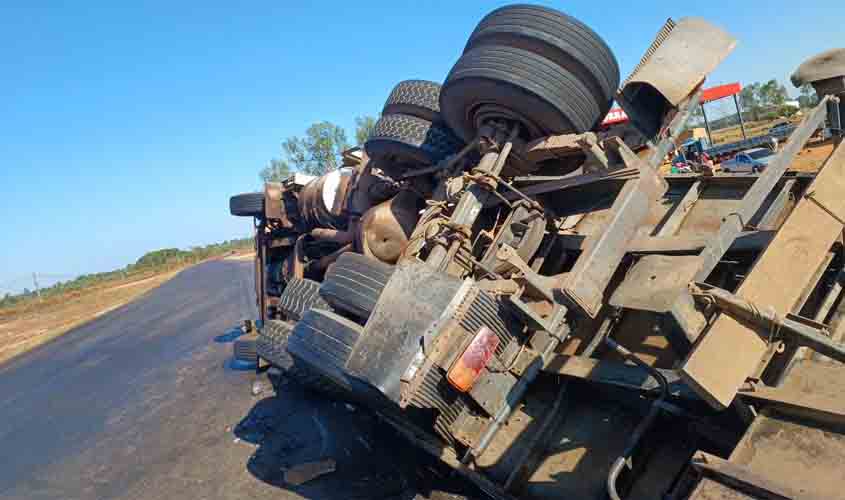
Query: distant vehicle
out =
(781, 128)
(766, 140)
(751, 160)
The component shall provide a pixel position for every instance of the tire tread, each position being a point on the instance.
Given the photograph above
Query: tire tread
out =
(247, 205)
(299, 296)
(354, 284)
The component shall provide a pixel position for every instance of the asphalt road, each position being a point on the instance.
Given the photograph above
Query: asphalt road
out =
(140, 403)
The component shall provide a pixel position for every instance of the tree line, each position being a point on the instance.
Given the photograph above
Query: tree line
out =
(148, 263)
(763, 101)
(316, 152)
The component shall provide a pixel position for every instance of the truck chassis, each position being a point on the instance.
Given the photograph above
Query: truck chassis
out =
(548, 313)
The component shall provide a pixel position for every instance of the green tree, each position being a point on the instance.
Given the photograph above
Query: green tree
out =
(750, 100)
(808, 97)
(363, 126)
(760, 98)
(319, 151)
(276, 171)
(772, 93)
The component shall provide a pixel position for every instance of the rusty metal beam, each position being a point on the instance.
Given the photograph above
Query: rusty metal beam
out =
(780, 365)
(566, 182)
(776, 209)
(734, 224)
(261, 269)
(731, 351)
(585, 284)
(677, 245)
(744, 479)
(676, 218)
(837, 314)
(818, 407)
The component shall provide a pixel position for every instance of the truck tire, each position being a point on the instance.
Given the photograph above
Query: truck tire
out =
(299, 296)
(272, 343)
(409, 140)
(247, 205)
(419, 98)
(566, 41)
(354, 283)
(320, 345)
(513, 84)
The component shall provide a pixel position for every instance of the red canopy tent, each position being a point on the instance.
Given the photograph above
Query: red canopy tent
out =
(617, 115)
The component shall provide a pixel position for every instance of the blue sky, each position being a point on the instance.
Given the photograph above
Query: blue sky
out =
(125, 128)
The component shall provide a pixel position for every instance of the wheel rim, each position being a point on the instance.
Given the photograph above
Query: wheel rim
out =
(490, 112)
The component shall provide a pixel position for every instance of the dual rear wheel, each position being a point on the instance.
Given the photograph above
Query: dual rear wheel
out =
(411, 133)
(313, 351)
(531, 65)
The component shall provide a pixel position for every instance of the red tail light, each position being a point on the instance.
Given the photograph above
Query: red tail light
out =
(465, 371)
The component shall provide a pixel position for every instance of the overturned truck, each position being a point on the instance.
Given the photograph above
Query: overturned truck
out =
(542, 308)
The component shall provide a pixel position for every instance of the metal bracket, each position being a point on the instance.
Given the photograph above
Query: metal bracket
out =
(542, 285)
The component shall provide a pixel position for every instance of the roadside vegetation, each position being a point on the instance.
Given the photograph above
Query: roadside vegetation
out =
(317, 152)
(150, 264)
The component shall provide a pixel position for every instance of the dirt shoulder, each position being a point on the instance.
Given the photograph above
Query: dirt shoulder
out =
(241, 256)
(811, 158)
(38, 325)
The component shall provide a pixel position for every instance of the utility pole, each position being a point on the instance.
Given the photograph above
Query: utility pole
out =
(707, 125)
(37, 289)
(741, 120)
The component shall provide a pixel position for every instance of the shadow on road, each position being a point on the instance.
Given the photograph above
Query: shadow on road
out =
(294, 427)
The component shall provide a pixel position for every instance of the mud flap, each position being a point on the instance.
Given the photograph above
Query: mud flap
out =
(410, 305)
(673, 67)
